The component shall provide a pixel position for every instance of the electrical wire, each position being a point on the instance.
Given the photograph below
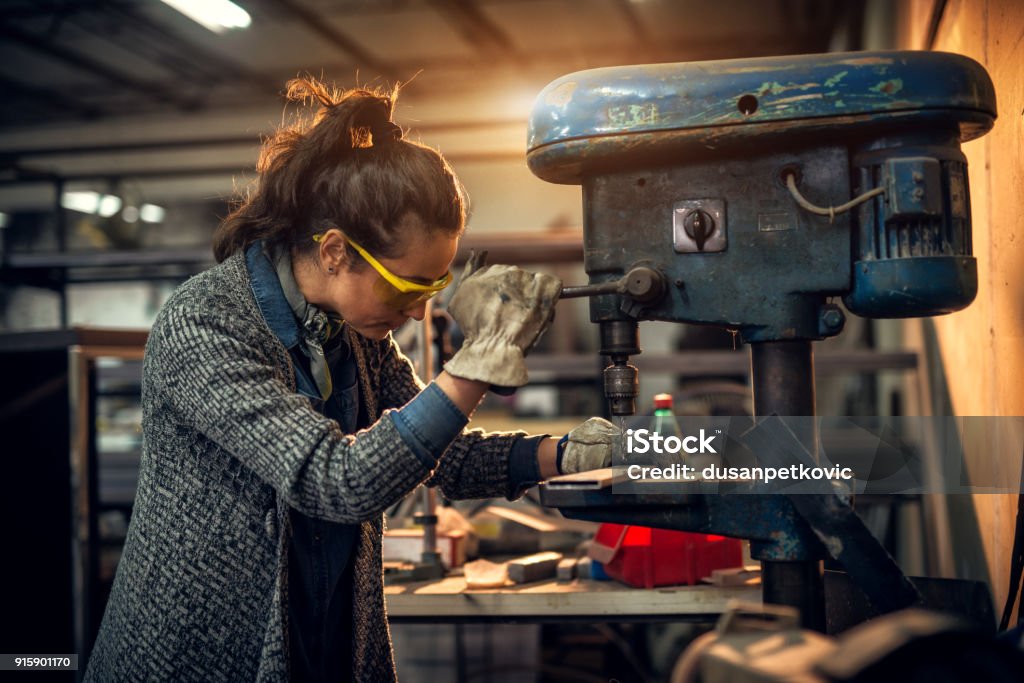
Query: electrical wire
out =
(829, 211)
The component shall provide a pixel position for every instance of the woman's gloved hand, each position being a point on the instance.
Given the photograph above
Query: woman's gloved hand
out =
(589, 446)
(502, 310)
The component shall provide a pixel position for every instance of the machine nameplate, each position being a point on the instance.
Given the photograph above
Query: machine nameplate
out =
(773, 222)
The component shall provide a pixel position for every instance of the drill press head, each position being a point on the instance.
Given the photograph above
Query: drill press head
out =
(686, 172)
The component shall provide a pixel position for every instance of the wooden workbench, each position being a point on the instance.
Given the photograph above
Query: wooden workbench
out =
(448, 600)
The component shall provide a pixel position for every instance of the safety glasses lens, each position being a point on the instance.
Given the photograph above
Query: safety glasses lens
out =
(397, 300)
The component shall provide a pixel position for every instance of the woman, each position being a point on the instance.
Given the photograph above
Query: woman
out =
(280, 420)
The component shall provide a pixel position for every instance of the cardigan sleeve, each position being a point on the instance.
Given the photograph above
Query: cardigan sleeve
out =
(476, 465)
(215, 371)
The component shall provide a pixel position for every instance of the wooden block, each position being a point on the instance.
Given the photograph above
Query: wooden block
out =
(533, 567)
(736, 576)
(566, 570)
(584, 567)
(406, 545)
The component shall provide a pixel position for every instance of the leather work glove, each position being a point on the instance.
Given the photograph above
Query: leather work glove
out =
(502, 310)
(589, 446)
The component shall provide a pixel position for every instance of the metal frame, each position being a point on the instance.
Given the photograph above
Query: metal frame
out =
(82, 360)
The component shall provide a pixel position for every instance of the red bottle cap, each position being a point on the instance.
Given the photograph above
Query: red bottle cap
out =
(662, 401)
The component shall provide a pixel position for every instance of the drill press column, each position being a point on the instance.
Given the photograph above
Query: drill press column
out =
(783, 376)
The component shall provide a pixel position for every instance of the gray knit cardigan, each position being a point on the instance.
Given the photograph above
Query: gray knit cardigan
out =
(228, 446)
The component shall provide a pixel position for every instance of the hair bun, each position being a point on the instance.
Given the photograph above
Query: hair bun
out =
(388, 131)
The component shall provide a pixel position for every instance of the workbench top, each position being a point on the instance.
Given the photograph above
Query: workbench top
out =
(448, 599)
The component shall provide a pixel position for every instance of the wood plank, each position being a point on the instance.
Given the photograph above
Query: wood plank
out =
(981, 346)
(449, 597)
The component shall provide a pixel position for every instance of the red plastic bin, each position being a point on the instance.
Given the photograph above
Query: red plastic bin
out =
(644, 557)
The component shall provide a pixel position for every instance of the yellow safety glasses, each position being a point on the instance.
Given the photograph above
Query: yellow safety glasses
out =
(396, 292)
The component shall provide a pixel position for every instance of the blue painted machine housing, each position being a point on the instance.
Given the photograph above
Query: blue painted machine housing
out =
(623, 112)
(651, 143)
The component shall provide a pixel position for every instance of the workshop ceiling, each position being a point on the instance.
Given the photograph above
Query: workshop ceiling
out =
(88, 60)
(98, 93)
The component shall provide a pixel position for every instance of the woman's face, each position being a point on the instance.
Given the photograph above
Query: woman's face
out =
(351, 289)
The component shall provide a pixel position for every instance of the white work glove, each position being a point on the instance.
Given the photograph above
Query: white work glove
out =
(502, 310)
(589, 446)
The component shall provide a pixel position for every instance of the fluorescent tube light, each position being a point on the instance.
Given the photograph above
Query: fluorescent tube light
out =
(108, 206)
(216, 15)
(151, 213)
(84, 202)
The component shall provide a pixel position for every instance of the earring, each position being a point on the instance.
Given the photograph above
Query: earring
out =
(330, 269)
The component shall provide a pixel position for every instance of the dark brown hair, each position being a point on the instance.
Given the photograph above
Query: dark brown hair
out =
(347, 167)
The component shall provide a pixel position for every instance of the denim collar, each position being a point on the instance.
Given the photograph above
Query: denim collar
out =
(270, 296)
(315, 324)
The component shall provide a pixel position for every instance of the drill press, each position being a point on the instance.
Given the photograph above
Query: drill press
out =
(748, 194)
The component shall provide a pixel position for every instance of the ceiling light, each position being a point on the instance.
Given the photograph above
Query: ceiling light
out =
(109, 205)
(130, 214)
(151, 213)
(216, 15)
(106, 205)
(3, 220)
(84, 202)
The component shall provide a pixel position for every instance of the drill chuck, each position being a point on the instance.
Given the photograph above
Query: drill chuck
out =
(621, 387)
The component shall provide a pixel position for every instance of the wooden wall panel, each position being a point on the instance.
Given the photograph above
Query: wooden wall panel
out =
(983, 347)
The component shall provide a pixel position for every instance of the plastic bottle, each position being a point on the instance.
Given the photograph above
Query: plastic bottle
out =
(666, 424)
